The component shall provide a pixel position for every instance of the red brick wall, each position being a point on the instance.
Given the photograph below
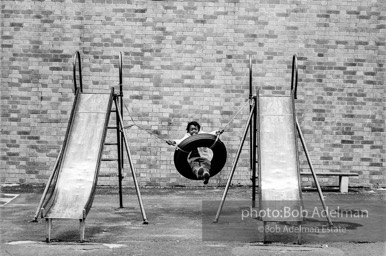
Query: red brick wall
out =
(187, 60)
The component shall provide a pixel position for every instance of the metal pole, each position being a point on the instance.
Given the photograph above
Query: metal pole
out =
(251, 135)
(119, 148)
(131, 165)
(121, 98)
(313, 172)
(119, 133)
(234, 166)
(254, 152)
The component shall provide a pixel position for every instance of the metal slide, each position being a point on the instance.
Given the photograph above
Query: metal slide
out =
(279, 179)
(77, 170)
(272, 123)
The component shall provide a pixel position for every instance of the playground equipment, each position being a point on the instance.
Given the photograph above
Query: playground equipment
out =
(273, 147)
(203, 140)
(70, 190)
(200, 140)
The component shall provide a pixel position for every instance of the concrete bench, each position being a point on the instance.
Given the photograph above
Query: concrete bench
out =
(343, 178)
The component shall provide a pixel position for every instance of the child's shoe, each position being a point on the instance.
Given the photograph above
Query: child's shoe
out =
(206, 177)
(200, 173)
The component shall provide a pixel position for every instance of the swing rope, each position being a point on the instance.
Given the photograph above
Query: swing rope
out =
(180, 149)
(140, 127)
(159, 137)
(234, 116)
(214, 143)
(230, 121)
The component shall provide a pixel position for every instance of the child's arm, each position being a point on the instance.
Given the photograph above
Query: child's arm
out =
(176, 142)
(217, 132)
(171, 142)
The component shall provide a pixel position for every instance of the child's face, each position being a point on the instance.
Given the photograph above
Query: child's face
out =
(193, 129)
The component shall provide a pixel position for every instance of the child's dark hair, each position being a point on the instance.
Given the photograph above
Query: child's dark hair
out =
(193, 123)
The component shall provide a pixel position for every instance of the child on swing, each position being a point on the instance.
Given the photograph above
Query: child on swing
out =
(200, 158)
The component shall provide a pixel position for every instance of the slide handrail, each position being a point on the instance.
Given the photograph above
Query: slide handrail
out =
(250, 78)
(77, 57)
(120, 72)
(294, 79)
(44, 200)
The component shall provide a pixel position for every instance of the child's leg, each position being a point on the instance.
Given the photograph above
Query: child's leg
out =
(201, 168)
(206, 164)
(195, 166)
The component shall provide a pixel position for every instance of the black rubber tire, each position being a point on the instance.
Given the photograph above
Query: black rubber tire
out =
(200, 140)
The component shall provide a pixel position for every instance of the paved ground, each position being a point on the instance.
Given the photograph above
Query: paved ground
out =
(180, 223)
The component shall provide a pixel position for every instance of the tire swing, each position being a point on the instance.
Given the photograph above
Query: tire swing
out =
(200, 140)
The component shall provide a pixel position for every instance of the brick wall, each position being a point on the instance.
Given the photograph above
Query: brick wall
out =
(187, 60)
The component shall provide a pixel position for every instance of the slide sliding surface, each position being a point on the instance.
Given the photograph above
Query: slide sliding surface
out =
(78, 170)
(279, 182)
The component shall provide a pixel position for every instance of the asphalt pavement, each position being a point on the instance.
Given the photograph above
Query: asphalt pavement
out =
(181, 223)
